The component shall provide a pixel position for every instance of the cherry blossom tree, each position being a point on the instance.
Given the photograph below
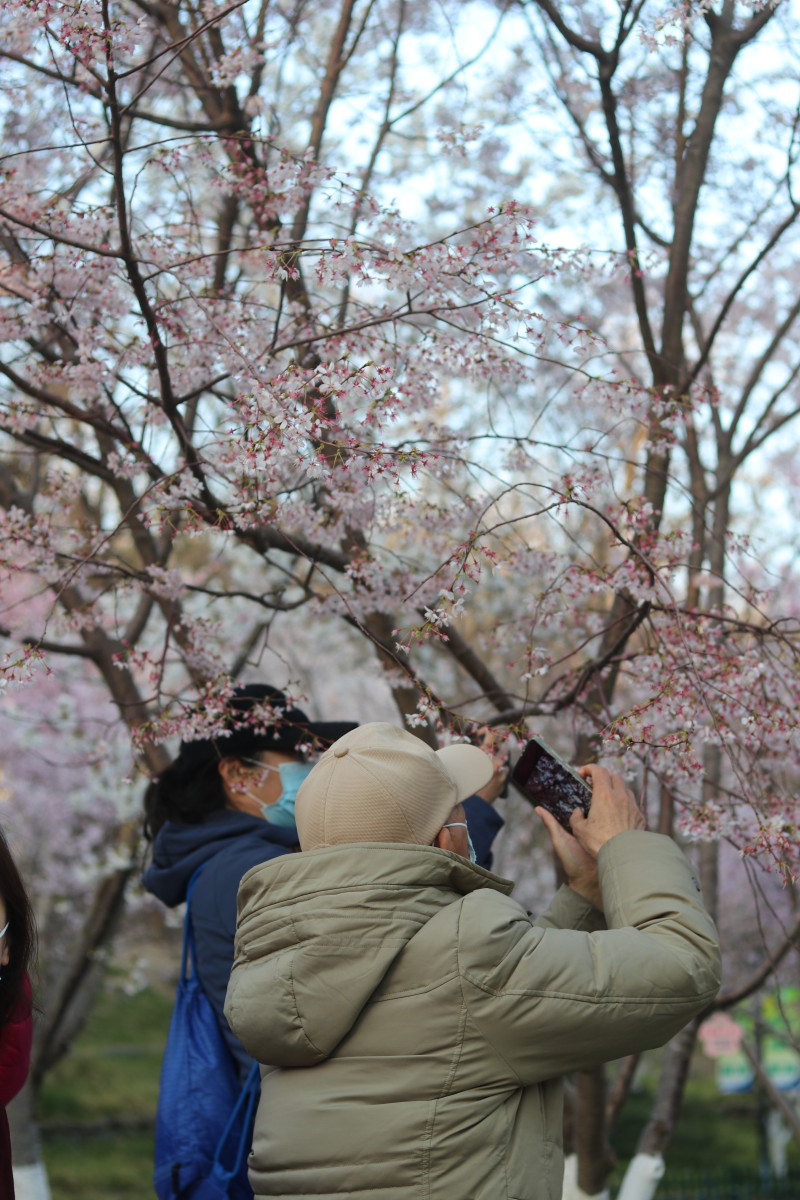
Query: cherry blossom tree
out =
(458, 335)
(71, 820)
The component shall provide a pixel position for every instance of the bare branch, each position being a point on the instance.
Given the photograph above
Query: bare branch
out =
(574, 39)
(791, 941)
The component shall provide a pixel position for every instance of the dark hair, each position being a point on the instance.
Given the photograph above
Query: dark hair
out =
(20, 936)
(180, 795)
(191, 788)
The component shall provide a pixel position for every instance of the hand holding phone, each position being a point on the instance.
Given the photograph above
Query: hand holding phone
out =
(491, 742)
(614, 810)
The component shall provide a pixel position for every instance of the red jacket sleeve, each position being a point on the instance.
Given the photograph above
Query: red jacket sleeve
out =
(15, 1048)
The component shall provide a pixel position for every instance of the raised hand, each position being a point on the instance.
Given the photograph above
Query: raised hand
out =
(612, 810)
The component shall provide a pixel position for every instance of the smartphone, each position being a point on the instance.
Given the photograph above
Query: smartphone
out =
(546, 780)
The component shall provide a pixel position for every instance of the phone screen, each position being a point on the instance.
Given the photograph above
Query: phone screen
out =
(547, 781)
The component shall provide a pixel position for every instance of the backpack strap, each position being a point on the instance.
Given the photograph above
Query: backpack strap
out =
(188, 956)
(251, 1089)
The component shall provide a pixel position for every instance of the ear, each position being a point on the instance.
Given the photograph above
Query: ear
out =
(444, 840)
(231, 772)
(4, 956)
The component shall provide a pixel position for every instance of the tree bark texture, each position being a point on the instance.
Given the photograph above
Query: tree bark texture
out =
(657, 1133)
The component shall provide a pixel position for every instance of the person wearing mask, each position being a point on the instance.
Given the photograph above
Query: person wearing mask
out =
(412, 1020)
(225, 804)
(17, 952)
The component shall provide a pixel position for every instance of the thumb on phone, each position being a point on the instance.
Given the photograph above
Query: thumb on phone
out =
(613, 810)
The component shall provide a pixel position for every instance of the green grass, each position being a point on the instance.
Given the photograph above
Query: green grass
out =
(714, 1133)
(712, 1129)
(116, 1167)
(97, 1106)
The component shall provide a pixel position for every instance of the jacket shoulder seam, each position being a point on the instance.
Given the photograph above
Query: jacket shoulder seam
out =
(583, 998)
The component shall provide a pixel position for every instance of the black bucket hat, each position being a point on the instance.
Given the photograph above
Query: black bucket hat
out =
(247, 737)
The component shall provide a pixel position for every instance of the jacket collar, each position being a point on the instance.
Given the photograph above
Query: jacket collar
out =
(385, 863)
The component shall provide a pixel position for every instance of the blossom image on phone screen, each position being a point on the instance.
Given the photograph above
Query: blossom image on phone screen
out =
(548, 782)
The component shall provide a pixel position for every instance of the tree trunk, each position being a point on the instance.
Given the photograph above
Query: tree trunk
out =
(777, 1097)
(30, 1174)
(619, 1090)
(647, 1165)
(595, 1159)
(68, 1008)
(657, 1133)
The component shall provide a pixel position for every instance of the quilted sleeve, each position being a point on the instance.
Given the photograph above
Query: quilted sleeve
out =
(554, 1000)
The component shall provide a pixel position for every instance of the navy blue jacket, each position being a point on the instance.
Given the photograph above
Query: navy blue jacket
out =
(484, 823)
(231, 842)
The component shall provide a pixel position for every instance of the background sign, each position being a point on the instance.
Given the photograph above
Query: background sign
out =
(721, 1036)
(779, 1029)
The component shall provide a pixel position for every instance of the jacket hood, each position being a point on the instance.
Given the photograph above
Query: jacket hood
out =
(180, 849)
(318, 932)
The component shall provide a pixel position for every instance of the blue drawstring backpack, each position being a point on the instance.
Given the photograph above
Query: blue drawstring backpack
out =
(204, 1119)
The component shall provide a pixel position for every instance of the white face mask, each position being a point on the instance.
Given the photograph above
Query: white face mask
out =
(3, 930)
(470, 848)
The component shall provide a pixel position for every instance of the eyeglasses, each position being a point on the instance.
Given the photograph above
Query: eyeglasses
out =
(253, 762)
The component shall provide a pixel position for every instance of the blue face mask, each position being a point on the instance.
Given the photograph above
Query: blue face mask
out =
(282, 811)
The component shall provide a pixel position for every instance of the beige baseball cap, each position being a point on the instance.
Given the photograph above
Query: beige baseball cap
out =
(379, 783)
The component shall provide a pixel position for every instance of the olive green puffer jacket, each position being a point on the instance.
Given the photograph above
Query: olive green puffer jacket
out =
(419, 1021)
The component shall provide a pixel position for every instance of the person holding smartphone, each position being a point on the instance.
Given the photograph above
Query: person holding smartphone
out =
(412, 1020)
